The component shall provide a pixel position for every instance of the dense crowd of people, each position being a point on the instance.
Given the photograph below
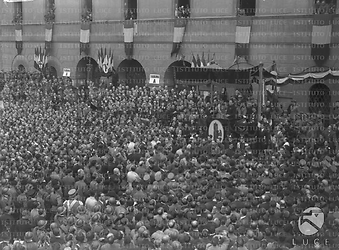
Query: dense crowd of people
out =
(113, 167)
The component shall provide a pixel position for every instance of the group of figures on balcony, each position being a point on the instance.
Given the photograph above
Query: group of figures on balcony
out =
(130, 14)
(17, 18)
(50, 15)
(325, 7)
(86, 15)
(182, 12)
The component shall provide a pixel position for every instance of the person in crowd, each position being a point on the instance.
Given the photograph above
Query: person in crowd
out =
(122, 178)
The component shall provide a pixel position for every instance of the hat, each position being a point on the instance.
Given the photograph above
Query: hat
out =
(31, 192)
(146, 177)
(170, 176)
(158, 176)
(72, 193)
(61, 211)
(28, 237)
(41, 224)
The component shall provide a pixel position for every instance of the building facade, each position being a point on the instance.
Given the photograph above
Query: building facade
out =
(281, 31)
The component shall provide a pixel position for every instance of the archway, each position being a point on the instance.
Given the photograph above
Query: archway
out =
(20, 60)
(169, 73)
(320, 100)
(131, 73)
(87, 67)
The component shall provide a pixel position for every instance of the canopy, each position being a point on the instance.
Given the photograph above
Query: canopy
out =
(236, 74)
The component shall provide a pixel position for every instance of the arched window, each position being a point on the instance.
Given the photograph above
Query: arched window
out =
(131, 9)
(246, 7)
(182, 9)
(86, 11)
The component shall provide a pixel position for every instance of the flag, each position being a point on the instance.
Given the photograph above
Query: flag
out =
(105, 62)
(48, 37)
(128, 37)
(203, 62)
(198, 61)
(84, 37)
(273, 69)
(40, 59)
(178, 34)
(18, 38)
(213, 58)
(194, 62)
(242, 36)
(321, 37)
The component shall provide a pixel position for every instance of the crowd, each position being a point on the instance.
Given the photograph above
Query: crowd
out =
(111, 167)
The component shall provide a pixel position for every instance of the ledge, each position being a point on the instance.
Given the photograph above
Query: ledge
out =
(287, 16)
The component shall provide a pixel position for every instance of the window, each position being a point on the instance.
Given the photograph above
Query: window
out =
(50, 11)
(18, 18)
(131, 9)
(182, 9)
(86, 14)
(246, 8)
(325, 6)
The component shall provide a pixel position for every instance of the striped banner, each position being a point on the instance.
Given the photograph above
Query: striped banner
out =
(18, 38)
(48, 38)
(178, 34)
(242, 36)
(321, 37)
(84, 37)
(128, 37)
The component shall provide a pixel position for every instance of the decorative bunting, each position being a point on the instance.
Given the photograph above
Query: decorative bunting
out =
(321, 37)
(178, 34)
(84, 38)
(105, 62)
(242, 36)
(18, 38)
(201, 63)
(129, 37)
(40, 59)
(48, 38)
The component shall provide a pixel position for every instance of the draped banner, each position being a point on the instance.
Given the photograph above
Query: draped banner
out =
(128, 37)
(48, 38)
(242, 36)
(321, 37)
(18, 38)
(178, 34)
(84, 37)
